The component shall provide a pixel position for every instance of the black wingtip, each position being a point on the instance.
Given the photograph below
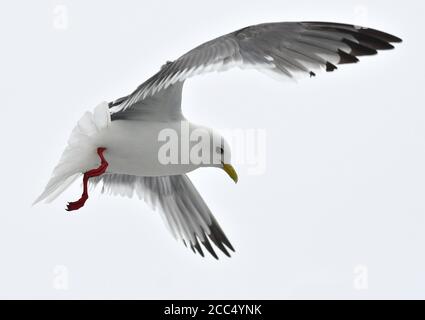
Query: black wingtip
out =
(371, 38)
(330, 67)
(387, 46)
(396, 40)
(358, 49)
(345, 58)
(382, 35)
(198, 248)
(217, 239)
(219, 235)
(208, 246)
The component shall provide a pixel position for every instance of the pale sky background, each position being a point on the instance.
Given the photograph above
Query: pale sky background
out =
(338, 213)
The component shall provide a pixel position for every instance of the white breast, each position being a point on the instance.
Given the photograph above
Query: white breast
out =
(132, 147)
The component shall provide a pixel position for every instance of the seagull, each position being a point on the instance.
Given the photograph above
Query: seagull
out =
(119, 144)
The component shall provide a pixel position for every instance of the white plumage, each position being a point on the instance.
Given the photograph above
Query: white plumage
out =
(79, 155)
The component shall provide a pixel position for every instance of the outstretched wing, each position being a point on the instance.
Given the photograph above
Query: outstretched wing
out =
(286, 49)
(183, 209)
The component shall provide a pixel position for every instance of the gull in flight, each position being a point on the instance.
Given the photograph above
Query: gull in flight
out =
(119, 144)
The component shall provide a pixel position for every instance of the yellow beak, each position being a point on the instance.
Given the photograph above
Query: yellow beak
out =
(230, 171)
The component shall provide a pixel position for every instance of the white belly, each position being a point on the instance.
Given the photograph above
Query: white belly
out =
(132, 148)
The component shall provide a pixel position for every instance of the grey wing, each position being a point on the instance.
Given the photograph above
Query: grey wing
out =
(165, 105)
(286, 49)
(183, 209)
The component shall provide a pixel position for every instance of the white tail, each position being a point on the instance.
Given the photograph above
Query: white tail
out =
(79, 153)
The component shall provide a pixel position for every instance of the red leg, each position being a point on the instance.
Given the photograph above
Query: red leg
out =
(89, 174)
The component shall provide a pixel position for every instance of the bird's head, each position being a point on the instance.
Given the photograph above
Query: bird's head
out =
(220, 154)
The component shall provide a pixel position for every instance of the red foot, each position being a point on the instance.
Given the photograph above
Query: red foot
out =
(89, 174)
(71, 206)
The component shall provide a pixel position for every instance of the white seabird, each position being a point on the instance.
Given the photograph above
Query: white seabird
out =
(118, 144)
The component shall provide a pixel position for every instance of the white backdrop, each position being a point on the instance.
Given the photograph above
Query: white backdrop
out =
(338, 212)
